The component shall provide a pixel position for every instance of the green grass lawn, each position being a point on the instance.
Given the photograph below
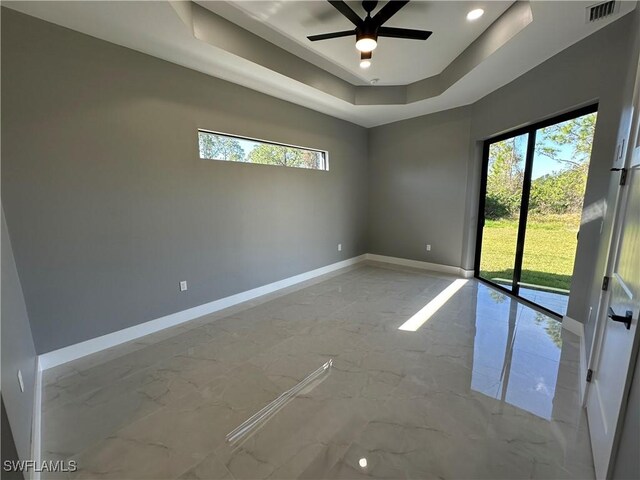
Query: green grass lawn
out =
(549, 252)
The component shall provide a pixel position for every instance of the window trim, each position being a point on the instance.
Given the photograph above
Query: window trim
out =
(325, 163)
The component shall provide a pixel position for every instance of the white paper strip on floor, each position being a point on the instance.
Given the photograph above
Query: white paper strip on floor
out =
(272, 408)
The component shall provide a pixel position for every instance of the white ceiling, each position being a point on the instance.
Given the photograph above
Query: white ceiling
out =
(155, 28)
(395, 61)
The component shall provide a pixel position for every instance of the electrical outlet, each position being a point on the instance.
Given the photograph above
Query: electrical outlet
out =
(428, 247)
(183, 286)
(20, 381)
(339, 247)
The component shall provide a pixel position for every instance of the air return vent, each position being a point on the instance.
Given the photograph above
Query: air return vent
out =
(601, 10)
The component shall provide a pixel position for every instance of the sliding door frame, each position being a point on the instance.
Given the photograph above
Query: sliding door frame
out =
(524, 202)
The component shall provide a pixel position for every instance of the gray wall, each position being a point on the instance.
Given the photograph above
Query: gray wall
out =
(594, 69)
(418, 171)
(110, 207)
(621, 115)
(18, 352)
(9, 451)
(425, 171)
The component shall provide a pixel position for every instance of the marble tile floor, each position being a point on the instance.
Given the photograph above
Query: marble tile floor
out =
(555, 301)
(484, 388)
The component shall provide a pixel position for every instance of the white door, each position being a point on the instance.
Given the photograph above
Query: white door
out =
(617, 343)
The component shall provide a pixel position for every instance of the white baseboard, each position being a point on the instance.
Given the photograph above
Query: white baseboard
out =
(435, 267)
(94, 345)
(577, 328)
(36, 422)
(79, 350)
(583, 370)
(573, 326)
(466, 273)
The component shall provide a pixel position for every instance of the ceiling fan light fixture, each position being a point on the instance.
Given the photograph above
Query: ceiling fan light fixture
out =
(475, 14)
(369, 28)
(366, 43)
(365, 59)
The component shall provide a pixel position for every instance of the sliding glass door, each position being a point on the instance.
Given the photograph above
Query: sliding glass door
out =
(533, 184)
(502, 206)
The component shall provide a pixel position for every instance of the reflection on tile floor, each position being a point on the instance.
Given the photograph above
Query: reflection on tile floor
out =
(485, 387)
(555, 301)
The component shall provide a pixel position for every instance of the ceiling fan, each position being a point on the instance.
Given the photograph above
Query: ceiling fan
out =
(370, 28)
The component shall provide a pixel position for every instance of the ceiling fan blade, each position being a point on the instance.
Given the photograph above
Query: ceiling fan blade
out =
(326, 36)
(404, 33)
(388, 11)
(345, 10)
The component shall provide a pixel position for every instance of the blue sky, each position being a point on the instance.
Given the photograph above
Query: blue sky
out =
(542, 165)
(247, 145)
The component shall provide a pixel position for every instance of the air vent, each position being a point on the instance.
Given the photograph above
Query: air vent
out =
(601, 10)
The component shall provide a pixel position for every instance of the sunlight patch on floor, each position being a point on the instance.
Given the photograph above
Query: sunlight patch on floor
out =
(419, 319)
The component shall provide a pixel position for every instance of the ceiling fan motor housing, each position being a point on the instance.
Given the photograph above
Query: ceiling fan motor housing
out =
(369, 6)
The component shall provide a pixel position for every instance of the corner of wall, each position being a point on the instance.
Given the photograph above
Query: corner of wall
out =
(18, 354)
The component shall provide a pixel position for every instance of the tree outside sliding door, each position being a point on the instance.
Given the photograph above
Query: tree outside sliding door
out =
(531, 203)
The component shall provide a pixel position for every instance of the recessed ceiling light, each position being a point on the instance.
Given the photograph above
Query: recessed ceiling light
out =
(475, 14)
(365, 63)
(362, 462)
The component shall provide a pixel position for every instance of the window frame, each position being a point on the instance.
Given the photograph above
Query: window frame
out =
(325, 153)
(531, 130)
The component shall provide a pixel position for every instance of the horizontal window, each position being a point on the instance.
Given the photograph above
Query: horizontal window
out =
(218, 146)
